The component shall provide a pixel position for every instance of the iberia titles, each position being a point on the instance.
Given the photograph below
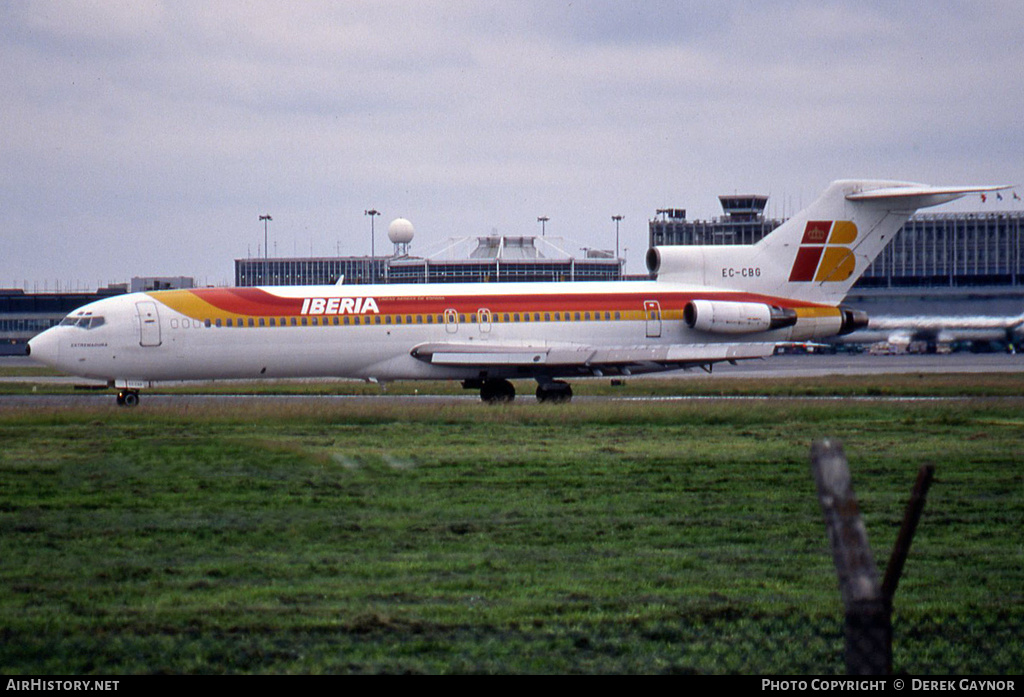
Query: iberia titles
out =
(339, 306)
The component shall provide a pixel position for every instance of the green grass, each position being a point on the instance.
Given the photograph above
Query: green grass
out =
(695, 384)
(598, 538)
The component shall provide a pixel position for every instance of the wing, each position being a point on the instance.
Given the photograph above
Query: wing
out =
(582, 360)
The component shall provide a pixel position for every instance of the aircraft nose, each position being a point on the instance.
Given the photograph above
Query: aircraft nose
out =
(45, 349)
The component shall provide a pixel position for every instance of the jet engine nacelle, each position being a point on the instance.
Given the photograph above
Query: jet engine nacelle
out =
(724, 317)
(852, 320)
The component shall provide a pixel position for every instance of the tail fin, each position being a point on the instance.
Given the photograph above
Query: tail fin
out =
(818, 254)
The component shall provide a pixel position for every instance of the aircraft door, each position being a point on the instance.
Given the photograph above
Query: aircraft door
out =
(483, 316)
(149, 324)
(652, 317)
(451, 321)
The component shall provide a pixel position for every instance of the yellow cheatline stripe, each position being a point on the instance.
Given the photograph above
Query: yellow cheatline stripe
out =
(816, 312)
(193, 306)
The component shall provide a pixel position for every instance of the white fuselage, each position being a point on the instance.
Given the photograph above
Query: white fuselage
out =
(371, 332)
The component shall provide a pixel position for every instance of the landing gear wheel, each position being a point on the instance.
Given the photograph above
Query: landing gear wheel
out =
(554, 392)
(128, 398)
(497, 391)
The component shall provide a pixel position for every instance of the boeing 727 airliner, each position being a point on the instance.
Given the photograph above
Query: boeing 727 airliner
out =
(708, 304)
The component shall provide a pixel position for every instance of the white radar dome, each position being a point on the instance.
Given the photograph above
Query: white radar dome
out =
(400, 231)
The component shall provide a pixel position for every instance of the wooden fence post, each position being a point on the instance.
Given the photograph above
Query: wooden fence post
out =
(910, 519)
(868, 612)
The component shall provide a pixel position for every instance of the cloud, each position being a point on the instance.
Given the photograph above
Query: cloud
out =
(174, 125)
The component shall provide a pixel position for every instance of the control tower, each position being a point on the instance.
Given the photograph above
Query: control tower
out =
(743, 223)
(744, 207)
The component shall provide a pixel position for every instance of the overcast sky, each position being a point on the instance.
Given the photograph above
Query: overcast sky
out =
(146, 138)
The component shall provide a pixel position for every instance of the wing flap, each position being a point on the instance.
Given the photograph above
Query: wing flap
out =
(502, 355)
(587, 357)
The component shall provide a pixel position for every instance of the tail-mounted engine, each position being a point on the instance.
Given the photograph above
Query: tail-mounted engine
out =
(725, 317)
(852, 320)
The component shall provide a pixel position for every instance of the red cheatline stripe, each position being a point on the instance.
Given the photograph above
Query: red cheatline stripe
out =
(249, 301)
(256, 302)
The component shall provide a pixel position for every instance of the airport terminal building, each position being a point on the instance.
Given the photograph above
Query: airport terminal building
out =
(489, 259)
(954, 250)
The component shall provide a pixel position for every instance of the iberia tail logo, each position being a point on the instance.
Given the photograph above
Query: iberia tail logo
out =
(824, 254)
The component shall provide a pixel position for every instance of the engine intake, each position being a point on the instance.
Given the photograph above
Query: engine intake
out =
(726, 317)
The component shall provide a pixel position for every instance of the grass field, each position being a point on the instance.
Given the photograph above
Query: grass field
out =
(594, 537)
(894, 385)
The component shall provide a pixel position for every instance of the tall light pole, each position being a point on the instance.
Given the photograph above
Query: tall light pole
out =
(617, 219)
(266, 264)
(373, 213)
(543, 221)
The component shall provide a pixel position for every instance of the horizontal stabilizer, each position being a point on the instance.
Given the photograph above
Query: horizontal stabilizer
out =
(913, 196)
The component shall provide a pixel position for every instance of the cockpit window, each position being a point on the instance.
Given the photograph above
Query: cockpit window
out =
(85, 320)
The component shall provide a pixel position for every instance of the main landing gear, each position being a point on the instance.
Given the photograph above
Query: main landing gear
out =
(554, 392)
(492, 390)
(128, 398)
(501, 391)
(497, 391)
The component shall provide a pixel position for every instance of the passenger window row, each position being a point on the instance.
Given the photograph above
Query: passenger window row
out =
(346, 320)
